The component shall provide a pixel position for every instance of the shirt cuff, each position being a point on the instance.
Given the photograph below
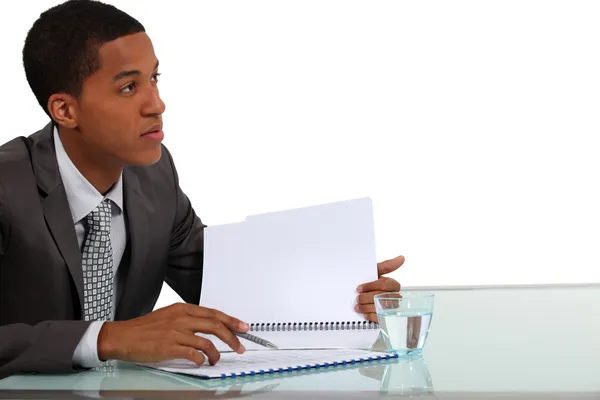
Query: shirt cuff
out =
(86, 353)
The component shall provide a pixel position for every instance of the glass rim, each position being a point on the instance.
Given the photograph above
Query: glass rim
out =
(400, 295)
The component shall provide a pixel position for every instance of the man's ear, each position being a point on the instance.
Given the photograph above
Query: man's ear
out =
(62, 108)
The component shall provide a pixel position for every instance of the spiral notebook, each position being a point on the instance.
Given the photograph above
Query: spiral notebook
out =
(284, 378)
(292, 275)
(253, 363)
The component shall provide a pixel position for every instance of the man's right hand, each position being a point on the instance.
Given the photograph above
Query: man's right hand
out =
(169, 333)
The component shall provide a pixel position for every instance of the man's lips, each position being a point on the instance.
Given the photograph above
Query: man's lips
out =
(154, 128)
(154, 134)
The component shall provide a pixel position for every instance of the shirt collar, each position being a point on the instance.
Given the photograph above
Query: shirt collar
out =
(82, 196)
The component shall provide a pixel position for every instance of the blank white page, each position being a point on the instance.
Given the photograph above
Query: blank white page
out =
(286, 340)
(222, 280)
(303, 265)
(294, 266)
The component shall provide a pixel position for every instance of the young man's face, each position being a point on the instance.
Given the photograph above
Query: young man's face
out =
(120, 104)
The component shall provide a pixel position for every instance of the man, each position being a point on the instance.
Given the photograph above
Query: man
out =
(92, 218)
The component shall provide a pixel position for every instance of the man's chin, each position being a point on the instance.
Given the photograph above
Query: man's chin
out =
(146, 159)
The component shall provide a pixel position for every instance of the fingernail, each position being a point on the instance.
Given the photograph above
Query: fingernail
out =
(242, 349)
(244, 326)
(359, 289)
(356, 308)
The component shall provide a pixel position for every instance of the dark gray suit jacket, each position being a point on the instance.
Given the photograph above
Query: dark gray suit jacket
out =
(41, 279)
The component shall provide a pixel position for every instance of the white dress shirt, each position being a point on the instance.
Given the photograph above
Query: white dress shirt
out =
(83, 198)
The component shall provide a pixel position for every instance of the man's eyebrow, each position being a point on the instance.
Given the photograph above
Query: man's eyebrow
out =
(124, 74)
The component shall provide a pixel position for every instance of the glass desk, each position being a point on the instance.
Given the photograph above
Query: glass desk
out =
(490, 343)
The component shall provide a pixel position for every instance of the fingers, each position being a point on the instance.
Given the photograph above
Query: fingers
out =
(189, 353)
(229, 321)
(365, 308)
(368, 310)
(199, 343)
(384, 284)
(387, 266)
(214, 327)
(371, 317)
(193, 319)
(367, 298)
(390, 285)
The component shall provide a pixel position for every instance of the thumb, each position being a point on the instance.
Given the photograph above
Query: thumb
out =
(387, 266)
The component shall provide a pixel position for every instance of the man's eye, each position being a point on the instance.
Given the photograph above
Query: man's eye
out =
(128, 88)
(155, 76)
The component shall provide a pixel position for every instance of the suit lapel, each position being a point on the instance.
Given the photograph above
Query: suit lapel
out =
(137, 213)
(55, 204)
(60, 222)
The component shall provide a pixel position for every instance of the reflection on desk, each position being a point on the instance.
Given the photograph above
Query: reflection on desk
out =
(399, 376)
(539, 343)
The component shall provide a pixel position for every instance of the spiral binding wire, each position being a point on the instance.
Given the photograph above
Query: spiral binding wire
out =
(309, 366)
(313, 326)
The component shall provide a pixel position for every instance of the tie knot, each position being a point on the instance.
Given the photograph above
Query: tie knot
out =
(99, 218)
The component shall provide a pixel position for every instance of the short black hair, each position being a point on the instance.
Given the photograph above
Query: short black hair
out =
(61, 48)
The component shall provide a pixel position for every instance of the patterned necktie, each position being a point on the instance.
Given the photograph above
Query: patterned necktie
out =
(97, 264)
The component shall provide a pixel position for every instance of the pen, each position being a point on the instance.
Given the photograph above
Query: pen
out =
(255, 339)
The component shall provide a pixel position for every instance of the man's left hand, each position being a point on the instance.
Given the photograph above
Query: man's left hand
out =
(365, 303)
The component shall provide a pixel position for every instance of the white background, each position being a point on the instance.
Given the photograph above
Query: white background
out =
(472, 125)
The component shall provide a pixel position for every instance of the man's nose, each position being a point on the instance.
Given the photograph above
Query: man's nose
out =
(153, 106)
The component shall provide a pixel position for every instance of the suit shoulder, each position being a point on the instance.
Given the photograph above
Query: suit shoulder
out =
(15, 149)
(19, 148)
(14, 154)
